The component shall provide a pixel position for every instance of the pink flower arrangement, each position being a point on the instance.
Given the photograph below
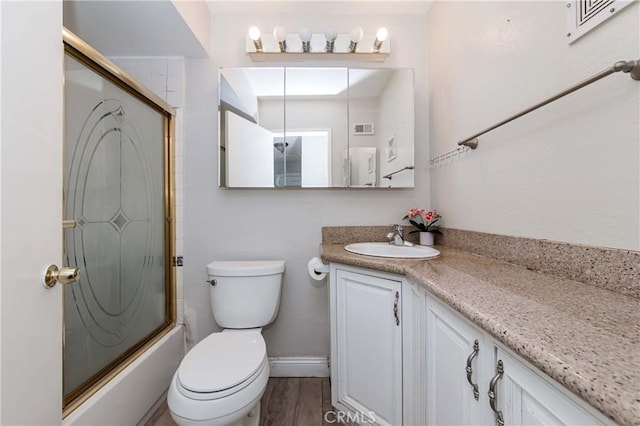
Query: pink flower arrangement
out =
(423, 220)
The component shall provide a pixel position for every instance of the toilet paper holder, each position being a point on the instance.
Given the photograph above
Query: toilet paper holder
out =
(321, 269)
(317, 269)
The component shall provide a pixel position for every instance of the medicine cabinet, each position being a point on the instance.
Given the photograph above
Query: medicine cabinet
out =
(316, 127)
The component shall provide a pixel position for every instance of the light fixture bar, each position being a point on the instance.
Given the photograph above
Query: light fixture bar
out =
(292, 47)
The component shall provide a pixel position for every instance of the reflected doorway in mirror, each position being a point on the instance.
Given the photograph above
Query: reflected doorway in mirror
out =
(391, 149)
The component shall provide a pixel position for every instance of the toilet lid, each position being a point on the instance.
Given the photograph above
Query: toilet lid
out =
(222, 361)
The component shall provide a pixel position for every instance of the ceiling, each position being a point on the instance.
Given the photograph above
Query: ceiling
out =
(111, 27)
(370, 7)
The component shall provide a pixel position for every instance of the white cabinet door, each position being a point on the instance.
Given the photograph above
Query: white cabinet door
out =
(525, 398)
(455, 355)
(369, 347)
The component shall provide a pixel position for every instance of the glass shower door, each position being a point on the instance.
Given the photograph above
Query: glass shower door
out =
(115, 229)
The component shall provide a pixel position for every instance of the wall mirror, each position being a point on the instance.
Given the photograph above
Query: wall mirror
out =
(316, 127)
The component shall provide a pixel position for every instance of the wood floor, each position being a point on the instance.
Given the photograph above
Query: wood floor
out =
(293, 401)
(287, 401)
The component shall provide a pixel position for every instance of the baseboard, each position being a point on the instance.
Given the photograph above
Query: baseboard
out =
(299, 366)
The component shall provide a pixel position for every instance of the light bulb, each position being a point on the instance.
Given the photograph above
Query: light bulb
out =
(305, 33)
(331, 34)
(305, 37)
(254, 33)
(356, 34)
(381, 36)
(279, 33)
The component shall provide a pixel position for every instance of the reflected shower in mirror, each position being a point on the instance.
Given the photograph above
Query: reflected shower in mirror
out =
(313, 127)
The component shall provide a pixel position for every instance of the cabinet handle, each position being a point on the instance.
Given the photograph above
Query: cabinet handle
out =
(395, 308)
(493, 396)
(469, 369)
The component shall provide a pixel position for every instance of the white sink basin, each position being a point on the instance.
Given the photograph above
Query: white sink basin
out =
(388, 250)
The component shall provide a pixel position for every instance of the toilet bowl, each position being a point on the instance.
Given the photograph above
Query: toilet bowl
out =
(221, 379)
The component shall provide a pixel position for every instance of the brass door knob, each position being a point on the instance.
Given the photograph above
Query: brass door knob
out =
(52, 275)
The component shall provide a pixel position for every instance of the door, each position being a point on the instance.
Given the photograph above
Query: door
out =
(525, 398)
(31, 211)
(454, 376)
(369, 340)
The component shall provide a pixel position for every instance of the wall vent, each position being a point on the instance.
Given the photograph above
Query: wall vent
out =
(364, 129)
(584, 15)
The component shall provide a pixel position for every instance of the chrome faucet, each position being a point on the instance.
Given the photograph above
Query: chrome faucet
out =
(396, 237)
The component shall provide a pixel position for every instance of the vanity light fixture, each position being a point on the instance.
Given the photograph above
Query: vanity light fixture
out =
(305, 37)
(356, 37)
(304, 45)
(381, 36)
(280, 34)
(330, 34)
(254, 35)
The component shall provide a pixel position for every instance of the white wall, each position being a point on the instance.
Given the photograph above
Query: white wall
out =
(394, 122)
(567, 172)
(196, 16)
(282, 224)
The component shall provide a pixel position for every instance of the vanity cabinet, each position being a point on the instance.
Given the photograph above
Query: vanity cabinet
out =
(525, 397)
(455, 357)
(401, 356)
(366, 370)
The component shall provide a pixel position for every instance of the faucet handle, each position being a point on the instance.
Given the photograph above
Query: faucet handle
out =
(399, 229)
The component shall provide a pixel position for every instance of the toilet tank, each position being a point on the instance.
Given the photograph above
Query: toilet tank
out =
(246, 294)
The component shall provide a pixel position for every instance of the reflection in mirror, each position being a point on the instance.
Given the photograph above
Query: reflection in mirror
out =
(302, 159)
(316, 105)
(247, 157)
(316, 127)
(381, 125)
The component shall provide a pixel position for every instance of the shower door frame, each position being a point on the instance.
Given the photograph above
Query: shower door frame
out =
(79, 50)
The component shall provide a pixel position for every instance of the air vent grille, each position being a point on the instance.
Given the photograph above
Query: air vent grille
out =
(584, 15)
(364, 129)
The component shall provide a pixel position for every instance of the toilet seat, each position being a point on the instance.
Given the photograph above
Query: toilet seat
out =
(222, 364)
(208, 396)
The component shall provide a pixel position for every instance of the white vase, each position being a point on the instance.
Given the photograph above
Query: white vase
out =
(426, 238)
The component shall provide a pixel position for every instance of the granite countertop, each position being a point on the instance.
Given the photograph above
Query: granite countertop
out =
(586, 338)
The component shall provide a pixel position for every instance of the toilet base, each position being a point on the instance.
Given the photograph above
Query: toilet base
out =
(251, 419)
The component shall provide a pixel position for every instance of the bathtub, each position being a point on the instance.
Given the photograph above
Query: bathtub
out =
(137, 390)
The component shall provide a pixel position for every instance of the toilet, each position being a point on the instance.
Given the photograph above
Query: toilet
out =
(221, 379)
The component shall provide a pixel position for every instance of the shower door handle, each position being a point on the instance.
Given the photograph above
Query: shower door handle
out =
(51, 275)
